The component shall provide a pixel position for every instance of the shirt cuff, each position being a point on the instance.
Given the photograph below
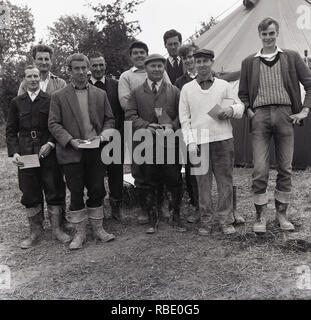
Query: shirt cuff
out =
(51, 144)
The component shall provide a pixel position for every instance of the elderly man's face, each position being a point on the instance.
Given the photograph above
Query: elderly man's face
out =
(203, 66)
(269, 37)
(138, 57)
(98, 67)
(172, 45)
(155, 70)
(32, 79)
(43, 61)
(78, 72)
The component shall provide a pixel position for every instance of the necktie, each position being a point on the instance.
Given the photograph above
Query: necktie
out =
(175, 63)
(154, 88)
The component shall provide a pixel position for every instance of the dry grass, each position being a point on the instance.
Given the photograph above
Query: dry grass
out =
(167, 265)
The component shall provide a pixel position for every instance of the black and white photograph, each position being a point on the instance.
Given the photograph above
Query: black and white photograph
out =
(155, 155)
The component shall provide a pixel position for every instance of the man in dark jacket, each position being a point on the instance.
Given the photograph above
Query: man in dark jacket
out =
(270, 89)
(154, 106)
(79, 114)
(27, 134)
(114, 170)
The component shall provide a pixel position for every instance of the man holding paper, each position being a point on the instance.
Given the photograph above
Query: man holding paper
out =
(29, 140)
(208, 103)
(80, 118)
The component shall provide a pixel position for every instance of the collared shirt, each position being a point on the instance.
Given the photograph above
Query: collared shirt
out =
(192, 75)
(206, 84)
(158, 84)
(33, 95)
(93, 80)
(84, 88)
(270, 56)
(44, 83)
(171, 60)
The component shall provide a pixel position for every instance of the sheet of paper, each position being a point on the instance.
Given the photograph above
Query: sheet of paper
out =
(87, 144)
(30, 161)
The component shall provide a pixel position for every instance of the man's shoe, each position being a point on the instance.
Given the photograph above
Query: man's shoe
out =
(281, 209)
(228, 229)
(238, 219)
(194, 218)
(260, 226)
(151, 230)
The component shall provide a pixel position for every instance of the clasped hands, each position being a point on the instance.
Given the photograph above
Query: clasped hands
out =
(165, 129)
(225, 113)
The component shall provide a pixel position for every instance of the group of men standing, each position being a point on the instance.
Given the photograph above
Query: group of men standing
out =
(161, 96)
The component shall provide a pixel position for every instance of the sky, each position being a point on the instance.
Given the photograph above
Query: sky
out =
(155, 16)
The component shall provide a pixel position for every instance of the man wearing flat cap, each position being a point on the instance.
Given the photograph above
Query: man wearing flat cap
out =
(153, 106)
(208, 103)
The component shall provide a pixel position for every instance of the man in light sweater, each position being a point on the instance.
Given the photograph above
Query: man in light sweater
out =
(270, 90)
(129, 80)
(208, 103)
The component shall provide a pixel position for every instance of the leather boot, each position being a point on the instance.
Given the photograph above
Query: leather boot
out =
(143, 217)
(55, 213)
(176, 202)
(281, 209)
(116, 209)
(151, 202)
(35, 219)
(79, 220)
(260, 225)
(96, 217)
(238, 219)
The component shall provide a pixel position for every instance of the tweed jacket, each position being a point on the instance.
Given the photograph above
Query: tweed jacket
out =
(142, 104)
(294, 70)
(66, 123)
(54, 84)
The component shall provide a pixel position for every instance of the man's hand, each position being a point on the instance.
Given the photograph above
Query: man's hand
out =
(45, 151)
(168, 129)
(250, 113)
(75, 143)
(225, 113)
(106, 135)
(300, 116)
(193, 151)
(153, 127)
(16, 160)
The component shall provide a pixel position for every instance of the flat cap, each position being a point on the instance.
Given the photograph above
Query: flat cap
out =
(204, 53)
(153, 57)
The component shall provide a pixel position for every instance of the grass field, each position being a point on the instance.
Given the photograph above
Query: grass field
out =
(167, 265)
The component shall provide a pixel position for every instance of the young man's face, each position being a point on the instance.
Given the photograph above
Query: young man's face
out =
(172, 45)
(203, 66)
(32, 79)
(269, 37)
(98, 67)
(43, 61)
(155, 70)
(138, 57)
(188, 61)
(78, 72)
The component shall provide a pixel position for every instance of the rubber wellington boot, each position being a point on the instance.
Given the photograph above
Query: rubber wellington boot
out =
(96, 217)
(35, 219)
(260, 226)
(55, 214)
(79, 220)
(281, 209)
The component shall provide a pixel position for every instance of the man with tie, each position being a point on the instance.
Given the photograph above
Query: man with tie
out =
(114, 170)
(153, 107)
(27, 134)
(80, 113)
(173, 65)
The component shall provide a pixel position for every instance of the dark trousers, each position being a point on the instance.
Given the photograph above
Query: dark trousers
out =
(47, 179)
(87, 173)
(191, 184)
(115, 181)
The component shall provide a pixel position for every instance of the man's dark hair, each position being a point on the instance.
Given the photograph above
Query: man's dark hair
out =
(139, 45)
(41, 48)
(95, 54)
(265, 23)
(184, 50)
(170, 34)
(30, 67)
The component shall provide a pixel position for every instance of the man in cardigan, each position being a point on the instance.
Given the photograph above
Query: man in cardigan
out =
(270, 90)
(173, 65)
(154, 106)
(82, 112)
(198, 101)
(114, 170)
(27, 133)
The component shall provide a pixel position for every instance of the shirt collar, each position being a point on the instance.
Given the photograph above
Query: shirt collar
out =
(85, 88)
(270, 56)
(192, 75)
(158, 83)
(134, 69)
(171, 60)
(209, 79)
(93, 80)
(33, 95)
